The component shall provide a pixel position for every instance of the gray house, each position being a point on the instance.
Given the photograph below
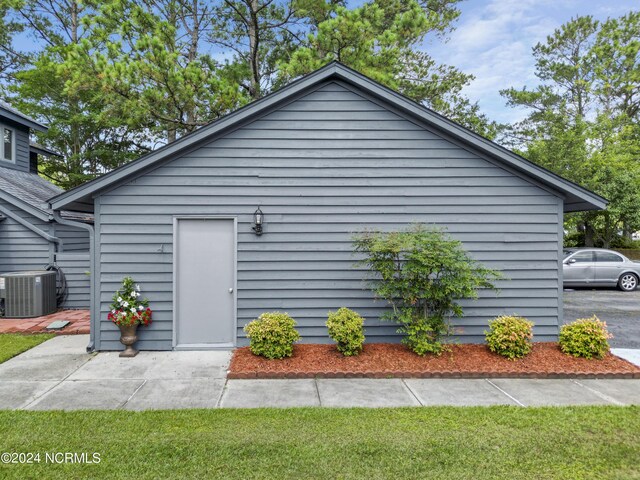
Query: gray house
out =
(30, 237)
(331, 154)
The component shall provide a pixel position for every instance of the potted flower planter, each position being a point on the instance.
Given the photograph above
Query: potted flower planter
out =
(128, 336)
(128, 311)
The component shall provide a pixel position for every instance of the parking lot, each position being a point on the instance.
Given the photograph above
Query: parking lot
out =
(621, 311)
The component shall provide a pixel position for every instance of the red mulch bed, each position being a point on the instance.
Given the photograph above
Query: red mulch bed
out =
(383, 360)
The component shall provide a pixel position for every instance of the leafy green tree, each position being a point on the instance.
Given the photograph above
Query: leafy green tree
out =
(259, 33)
(81, 129)
(381, 39)
(149, 60)
(583, 118)
(423, 274)
(81, 126)
(116, 78)
(10, 59)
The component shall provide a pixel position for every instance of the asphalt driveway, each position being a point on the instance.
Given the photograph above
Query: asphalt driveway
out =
(621, 311)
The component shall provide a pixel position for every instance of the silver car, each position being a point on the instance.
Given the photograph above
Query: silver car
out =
(597, 267)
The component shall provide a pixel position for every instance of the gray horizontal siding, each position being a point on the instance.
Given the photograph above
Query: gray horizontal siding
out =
(76, 271)
(20, 248)
(321, 168)
(73, 239)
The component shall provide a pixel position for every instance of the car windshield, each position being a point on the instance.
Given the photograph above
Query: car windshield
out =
(568, 252)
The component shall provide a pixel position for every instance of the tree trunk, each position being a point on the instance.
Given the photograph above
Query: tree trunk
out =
(254, 45)
(75, 130)
(172, 111)
(589, 235)
(192, 56)
(74, 22)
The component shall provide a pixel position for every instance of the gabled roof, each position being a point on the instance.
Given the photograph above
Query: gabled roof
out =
(576, 198)
(27, 190)
(30, 192)
(7, 111)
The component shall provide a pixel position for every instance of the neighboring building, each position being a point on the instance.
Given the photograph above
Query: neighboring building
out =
(30, 238)
(328, 155)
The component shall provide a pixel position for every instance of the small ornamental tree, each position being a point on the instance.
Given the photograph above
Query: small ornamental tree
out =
(128, 308)
(422, 273)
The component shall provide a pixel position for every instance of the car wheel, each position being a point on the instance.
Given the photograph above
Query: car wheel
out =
(628, 282)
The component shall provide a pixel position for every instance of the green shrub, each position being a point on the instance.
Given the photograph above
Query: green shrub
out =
(510, 336)
(423, 334)
(620, 241)
(422, 273)
(272, 335)
(586, 337)
(573, 239)
(346, 327)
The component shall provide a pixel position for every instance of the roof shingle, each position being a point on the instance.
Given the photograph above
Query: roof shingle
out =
(33, 190)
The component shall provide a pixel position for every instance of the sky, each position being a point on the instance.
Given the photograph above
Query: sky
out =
(493, 40)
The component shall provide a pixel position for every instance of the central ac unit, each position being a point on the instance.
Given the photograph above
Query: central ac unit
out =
(28, 294)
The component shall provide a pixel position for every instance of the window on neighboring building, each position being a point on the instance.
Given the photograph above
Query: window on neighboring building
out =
(8, 144)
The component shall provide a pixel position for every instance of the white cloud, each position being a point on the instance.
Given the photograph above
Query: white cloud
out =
(493, 41)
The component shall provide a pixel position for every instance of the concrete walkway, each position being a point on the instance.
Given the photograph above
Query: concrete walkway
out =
(59, 375)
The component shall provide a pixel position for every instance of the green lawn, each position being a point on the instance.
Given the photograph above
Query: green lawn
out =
(12, 344)
(449, 443)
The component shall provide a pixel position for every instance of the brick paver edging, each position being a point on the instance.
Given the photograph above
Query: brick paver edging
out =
(396, 374)
(79, 323)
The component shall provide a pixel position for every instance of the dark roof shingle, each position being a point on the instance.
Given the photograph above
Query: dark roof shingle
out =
(35, 191)
(28, 187)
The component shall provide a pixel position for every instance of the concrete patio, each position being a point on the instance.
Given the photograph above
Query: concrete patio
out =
(58, 374)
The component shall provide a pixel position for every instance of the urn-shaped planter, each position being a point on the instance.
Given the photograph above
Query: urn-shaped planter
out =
(128, 336)
(127, 311)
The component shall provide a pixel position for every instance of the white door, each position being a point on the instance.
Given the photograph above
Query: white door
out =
(204, 281)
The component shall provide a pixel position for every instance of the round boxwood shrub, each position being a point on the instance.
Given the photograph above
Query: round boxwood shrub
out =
(586, 337)
(272, 335)
(510, 336)
(346, 327)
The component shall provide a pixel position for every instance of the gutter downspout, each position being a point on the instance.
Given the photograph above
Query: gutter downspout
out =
(31, 227)
(92, 291)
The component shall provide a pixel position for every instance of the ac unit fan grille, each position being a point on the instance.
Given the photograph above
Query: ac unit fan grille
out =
(30, 295)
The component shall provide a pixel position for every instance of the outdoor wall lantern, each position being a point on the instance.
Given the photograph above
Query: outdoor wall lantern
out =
(258, 219)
